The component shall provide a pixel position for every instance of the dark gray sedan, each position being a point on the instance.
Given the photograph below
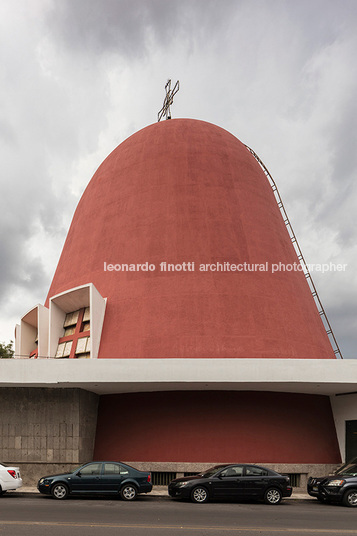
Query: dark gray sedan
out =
(112, 478)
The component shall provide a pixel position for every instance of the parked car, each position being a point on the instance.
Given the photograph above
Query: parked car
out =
(112, 478)
(239, 481)
(10, 478)
(340, 487)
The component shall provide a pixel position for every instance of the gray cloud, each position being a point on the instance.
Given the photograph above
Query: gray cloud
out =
(129, 27)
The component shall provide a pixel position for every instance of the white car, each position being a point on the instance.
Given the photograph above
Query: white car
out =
(10, 478)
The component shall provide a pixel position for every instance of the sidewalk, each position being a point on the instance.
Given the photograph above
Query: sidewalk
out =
(161, 491)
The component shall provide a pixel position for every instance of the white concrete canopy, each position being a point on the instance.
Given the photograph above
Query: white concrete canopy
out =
(334, 378)
(104, 376)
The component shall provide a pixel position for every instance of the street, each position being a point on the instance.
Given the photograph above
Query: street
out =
(40, 515)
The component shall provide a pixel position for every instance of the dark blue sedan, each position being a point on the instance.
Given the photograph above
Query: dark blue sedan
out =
(112, 478)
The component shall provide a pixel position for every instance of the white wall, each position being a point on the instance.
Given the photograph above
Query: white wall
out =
(97, 312)
(57, 316)
(43, 325)
(344, 409)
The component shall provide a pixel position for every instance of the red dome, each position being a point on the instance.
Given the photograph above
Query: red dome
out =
(188, 191)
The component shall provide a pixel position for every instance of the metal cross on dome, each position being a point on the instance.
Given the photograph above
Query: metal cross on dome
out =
(169, 98)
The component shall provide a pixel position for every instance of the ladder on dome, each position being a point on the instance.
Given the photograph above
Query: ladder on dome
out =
(300, 256)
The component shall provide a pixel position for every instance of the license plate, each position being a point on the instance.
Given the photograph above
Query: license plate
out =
(315, 488)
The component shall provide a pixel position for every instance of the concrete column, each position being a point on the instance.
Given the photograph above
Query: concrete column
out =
(46, 430)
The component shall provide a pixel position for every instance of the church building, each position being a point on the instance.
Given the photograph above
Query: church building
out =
(180, 329)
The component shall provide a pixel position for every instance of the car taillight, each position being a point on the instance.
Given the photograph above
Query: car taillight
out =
(12, 473)
(149, 477)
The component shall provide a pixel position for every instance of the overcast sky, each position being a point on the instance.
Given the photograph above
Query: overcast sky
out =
(80, 76)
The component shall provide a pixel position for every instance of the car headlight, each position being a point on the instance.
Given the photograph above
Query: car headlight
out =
(45, 481)
(181, 484)
(335, 483)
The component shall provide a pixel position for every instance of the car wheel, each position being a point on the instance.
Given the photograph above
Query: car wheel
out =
(59, 491)
(273, 496)
(2, 491)
(199, 495)
(350, 498)
(128, 492)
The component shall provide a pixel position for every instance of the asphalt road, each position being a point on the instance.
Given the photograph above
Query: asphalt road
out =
(42, 516)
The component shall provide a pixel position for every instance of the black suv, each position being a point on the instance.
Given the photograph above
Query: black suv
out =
(341, 486)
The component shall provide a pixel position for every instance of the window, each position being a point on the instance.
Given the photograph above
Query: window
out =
(236, 470)
(64, 349)
(82, 345)
(111, 469)
(255, 471)
(91, 469)
(75, 342)
(69, 331)
(71, 319)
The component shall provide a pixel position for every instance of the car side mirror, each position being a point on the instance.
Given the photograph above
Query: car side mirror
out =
(78, 474)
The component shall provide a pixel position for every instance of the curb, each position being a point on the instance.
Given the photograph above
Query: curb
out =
(158, 492)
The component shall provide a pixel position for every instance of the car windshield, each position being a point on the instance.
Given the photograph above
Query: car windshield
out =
(349, 469)
(77, 468)
(212, 471)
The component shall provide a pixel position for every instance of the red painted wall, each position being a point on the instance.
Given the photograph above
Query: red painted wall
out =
(216, 426)
(188, 191)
